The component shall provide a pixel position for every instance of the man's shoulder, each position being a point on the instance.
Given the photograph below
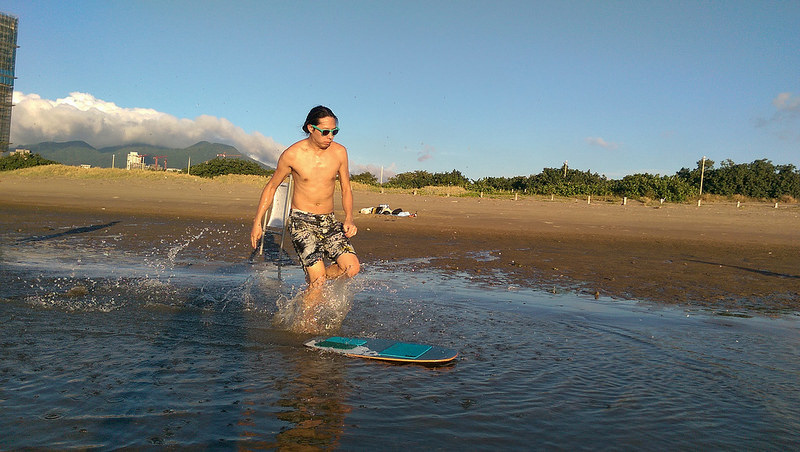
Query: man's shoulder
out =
(295, 147)
(338, 148)
(292, 150)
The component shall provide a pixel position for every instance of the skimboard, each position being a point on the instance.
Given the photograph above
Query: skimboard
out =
(384, 350)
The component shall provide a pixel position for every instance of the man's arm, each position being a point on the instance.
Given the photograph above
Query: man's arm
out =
(347, 197)
(267, 195)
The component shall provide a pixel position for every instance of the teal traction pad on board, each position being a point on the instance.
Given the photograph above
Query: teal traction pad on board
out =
(405, 350)
(341, 343)
(386, 349)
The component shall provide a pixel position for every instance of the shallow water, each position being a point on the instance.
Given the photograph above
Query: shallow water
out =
(107, 346)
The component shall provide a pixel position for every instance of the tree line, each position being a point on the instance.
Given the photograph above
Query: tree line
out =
(220, 166)
(19, 161)
(760, 179)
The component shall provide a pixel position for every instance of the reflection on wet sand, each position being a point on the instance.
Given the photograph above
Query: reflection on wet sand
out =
(311, 388)
(314, 404)
(313, 399)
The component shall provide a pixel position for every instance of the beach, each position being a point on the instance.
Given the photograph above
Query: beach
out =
(717, 256)
(136, 315)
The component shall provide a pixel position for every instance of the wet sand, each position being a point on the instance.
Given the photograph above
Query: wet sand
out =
(718, 256)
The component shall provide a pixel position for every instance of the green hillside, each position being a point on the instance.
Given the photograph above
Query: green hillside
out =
(82, 153)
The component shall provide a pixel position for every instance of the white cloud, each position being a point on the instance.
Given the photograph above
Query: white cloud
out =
(787, 102)
(81, 116)
(784, 121)
(597, 141)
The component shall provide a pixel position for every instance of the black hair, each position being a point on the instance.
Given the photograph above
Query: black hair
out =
(315, 115)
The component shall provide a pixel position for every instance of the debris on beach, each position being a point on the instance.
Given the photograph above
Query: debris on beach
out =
(383, 209)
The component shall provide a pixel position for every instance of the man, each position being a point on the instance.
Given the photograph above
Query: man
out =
(314, 163)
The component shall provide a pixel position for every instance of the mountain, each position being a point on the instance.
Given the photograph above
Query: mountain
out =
(82, 153)
(70, 151)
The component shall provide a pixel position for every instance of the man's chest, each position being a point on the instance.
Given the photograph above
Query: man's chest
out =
(317, 166)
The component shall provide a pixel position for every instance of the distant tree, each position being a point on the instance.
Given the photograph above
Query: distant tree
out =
(552, 181)
(219, 166)
(670, 188)
(453, 178)
(492, 184)
(365, 178)
(728, 180)
(788, 181)
(17, 161)
(415, 179)
(759, 179)
(419, 179)
(693, 176)
(519, 183)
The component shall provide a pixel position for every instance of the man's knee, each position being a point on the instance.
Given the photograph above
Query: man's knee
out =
(350, 267)
(351, 270)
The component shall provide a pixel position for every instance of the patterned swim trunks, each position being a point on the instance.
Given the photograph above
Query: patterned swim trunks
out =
(315, 236)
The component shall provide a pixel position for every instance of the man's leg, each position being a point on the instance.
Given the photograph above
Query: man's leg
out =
(315, 276)
(346, 264)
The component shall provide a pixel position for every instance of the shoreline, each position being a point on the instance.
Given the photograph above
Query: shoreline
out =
(717, 256)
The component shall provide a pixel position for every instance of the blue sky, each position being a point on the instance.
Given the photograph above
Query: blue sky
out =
(491, 88)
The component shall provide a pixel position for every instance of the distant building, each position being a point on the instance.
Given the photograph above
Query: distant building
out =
(21, 152)
(135, 161)
(8, 55)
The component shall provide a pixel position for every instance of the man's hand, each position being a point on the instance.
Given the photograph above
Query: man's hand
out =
(255, 235)
(350, 229)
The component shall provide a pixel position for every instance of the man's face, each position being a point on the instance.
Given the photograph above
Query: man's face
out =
(323, 142)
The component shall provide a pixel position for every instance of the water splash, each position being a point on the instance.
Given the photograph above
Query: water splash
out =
(175, 273)
(296, 314)
(100, 294)
(175, 249)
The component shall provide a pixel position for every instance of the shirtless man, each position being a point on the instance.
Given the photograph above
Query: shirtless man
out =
(314, 163)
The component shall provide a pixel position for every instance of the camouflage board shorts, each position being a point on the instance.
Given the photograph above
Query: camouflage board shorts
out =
(315, 236)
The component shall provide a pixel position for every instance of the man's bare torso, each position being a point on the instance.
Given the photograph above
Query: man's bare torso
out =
(314, 173)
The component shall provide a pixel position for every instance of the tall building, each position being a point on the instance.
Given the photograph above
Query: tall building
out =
(8, 54)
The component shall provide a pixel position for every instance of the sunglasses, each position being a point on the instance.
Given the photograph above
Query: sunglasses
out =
(325, 132)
